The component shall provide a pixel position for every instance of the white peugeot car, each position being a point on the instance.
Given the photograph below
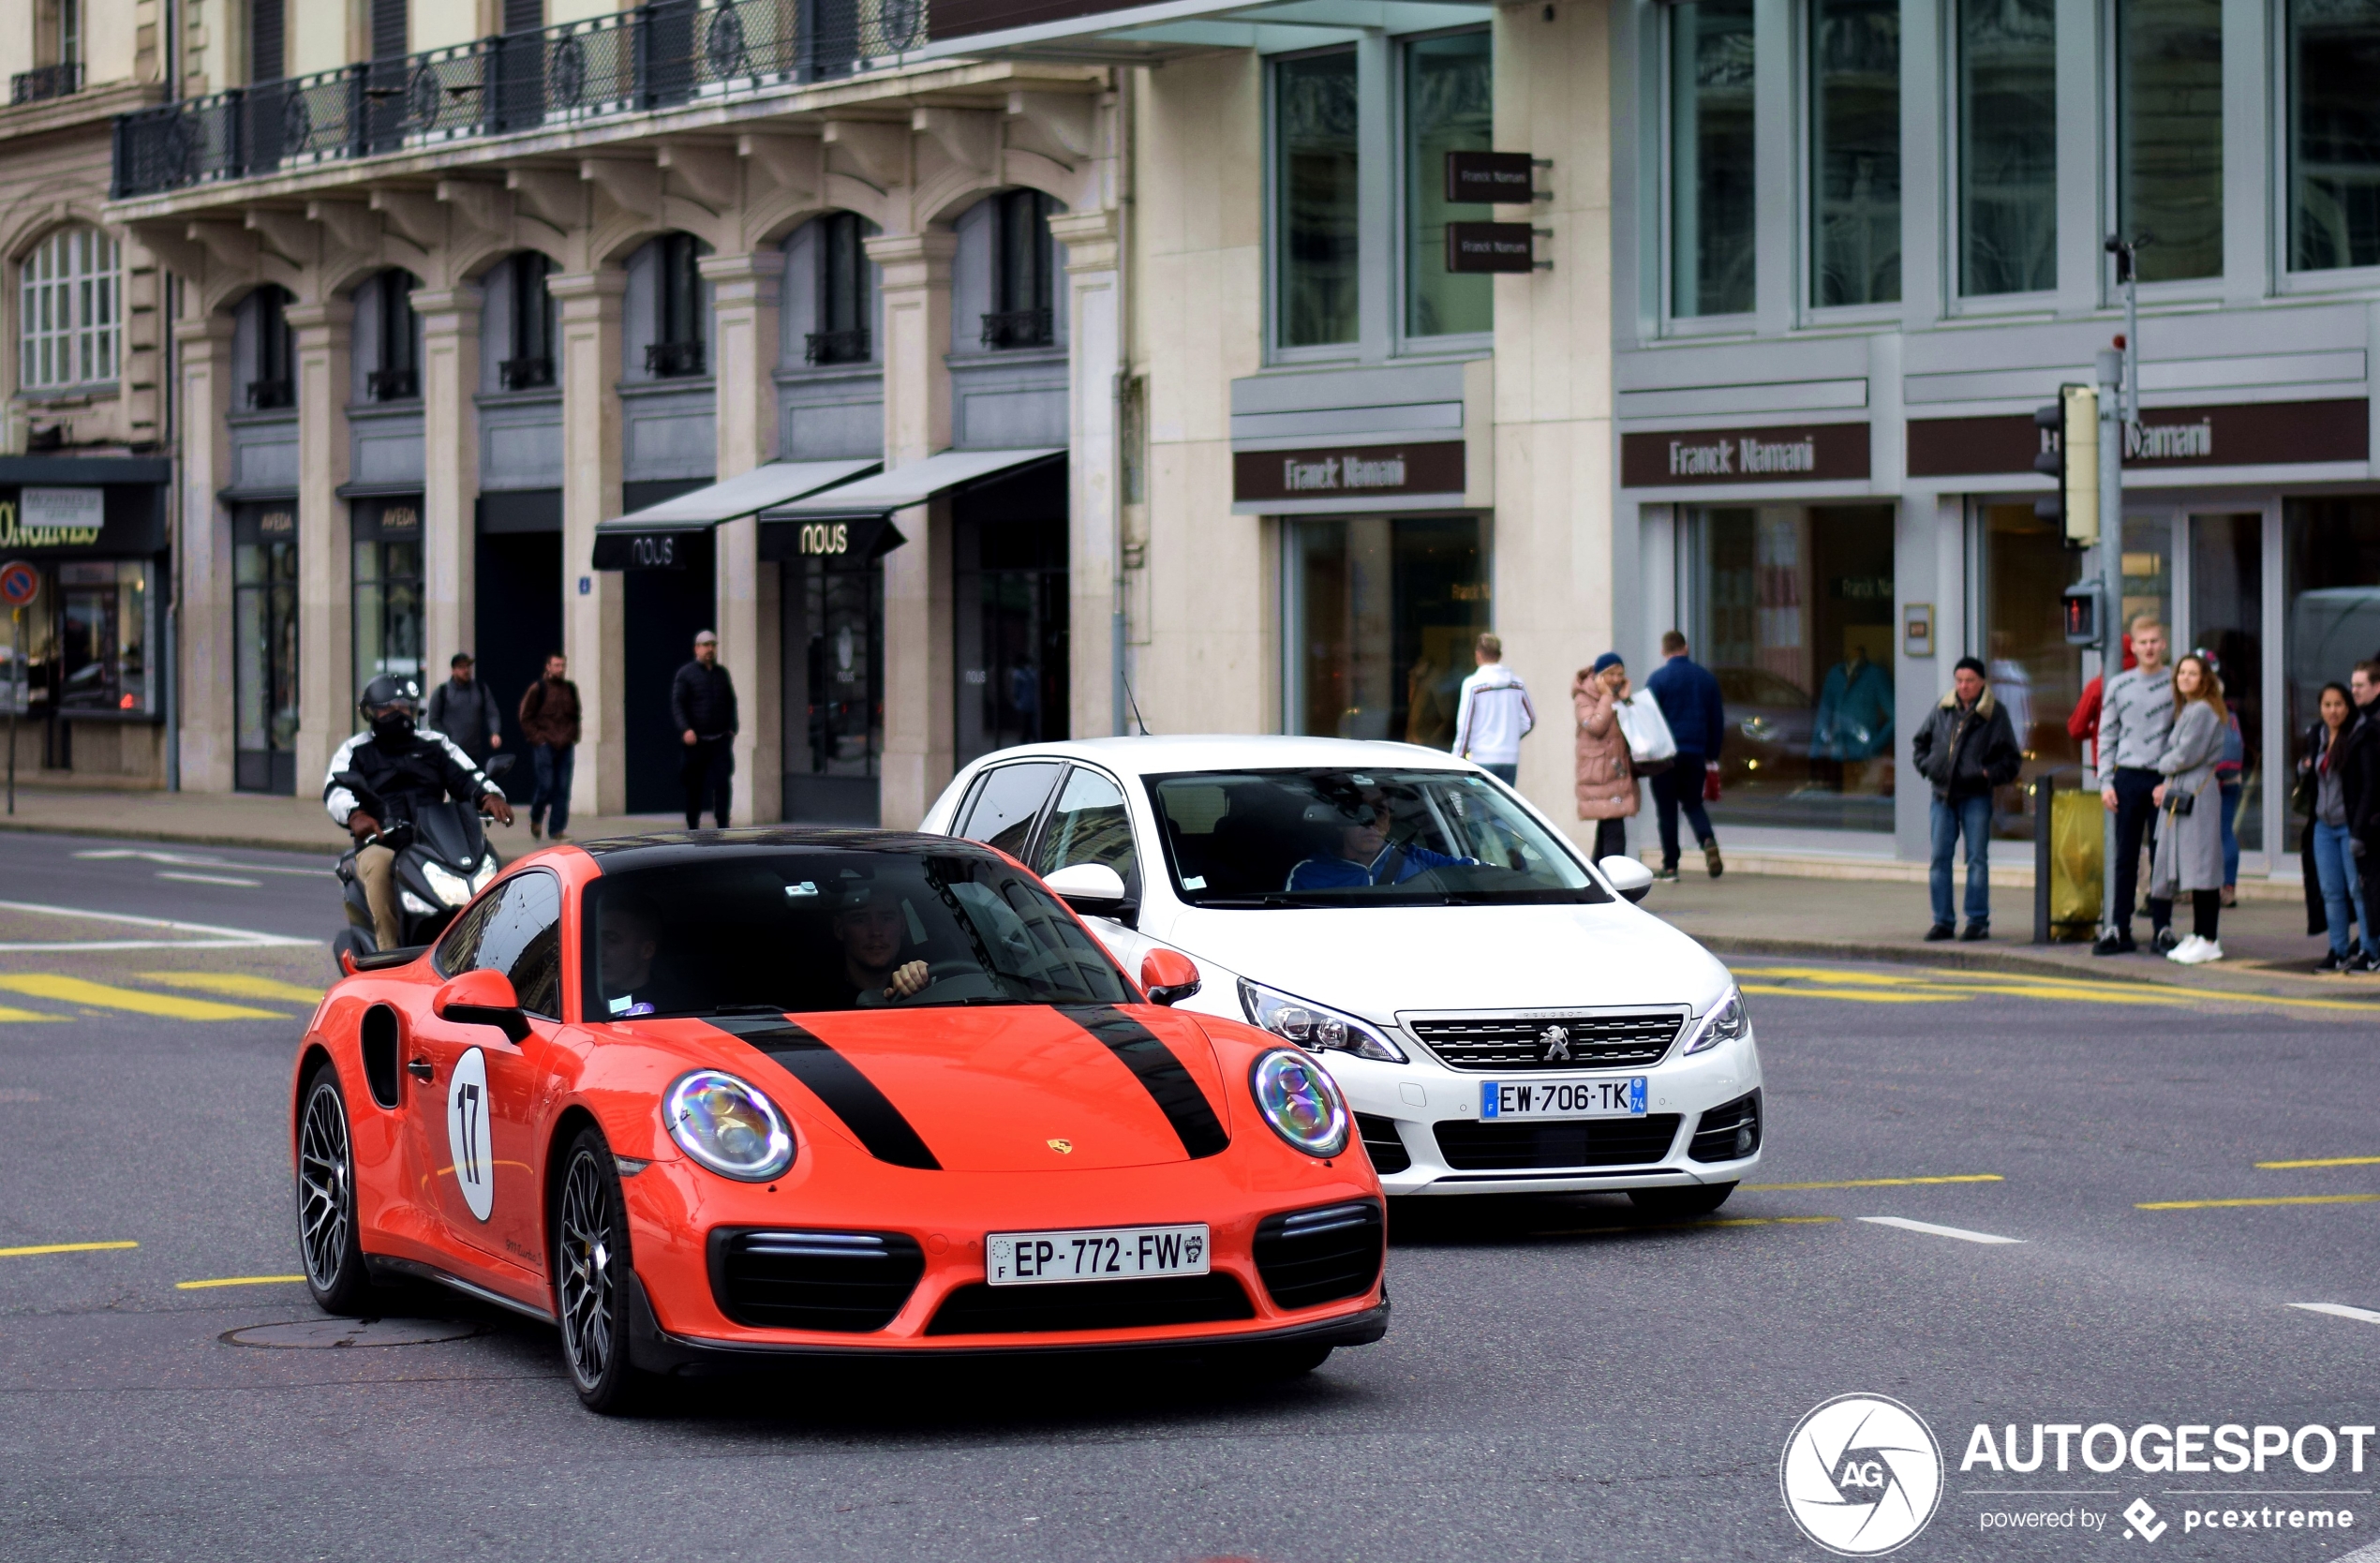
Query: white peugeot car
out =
(1499, 1014)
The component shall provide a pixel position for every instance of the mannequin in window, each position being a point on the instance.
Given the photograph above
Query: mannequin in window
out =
(1853, 724)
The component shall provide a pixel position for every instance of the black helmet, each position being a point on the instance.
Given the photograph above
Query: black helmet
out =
(386, 690)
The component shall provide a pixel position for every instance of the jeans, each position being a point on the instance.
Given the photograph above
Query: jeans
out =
(2230, 834)
(1969, 816)
(709, 776)
(2135, 819)
(1680, 787)
(2336, 869)
(552, 764)
(1510, 775)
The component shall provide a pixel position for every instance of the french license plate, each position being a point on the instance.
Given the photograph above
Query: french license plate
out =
(1502, 1099)
(1102, 1253)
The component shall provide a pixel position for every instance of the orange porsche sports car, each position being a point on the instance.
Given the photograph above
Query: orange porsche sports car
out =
(725, 1097)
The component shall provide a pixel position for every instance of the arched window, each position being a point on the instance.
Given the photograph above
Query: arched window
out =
(67, 311)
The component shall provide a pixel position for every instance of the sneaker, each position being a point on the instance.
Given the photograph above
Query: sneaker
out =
(537, 830)
(2167, 941)
(2367, 963)
(2185, 953)
(2333, 962)
(1667, 875)
(2119, 942)
(1975, 934)
(1938, 932)
(1710, 858)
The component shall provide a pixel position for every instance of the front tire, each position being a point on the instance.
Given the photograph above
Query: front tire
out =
(327, 1238)
(1680, 1204)
(591, 1269)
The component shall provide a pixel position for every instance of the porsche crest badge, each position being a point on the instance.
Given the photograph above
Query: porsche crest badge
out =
(1063, 1147)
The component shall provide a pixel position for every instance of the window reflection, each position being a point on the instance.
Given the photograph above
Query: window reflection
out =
(1711, 157)
(1384, 613)
(1314, 129)
(2008, 141)
(1449, 107)
(1855, 150)
(2033, 671)
(2169, 134)
(2334, 134)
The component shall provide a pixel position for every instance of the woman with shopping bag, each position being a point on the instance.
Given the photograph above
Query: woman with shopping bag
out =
(1607, 770)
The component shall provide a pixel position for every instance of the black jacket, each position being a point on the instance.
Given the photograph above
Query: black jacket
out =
(390, 781)
(468, 713)
(1967, 750)
(2359, 779)
(704, 699)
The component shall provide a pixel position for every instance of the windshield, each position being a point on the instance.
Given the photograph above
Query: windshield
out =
(800, 931)
(1349, 838)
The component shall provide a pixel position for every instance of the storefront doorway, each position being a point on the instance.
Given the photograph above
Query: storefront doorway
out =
(663, 611)
(833, 673)
(1009, 587)
(385, 538)
(1383, 612)
(264, 650)
(518, 616)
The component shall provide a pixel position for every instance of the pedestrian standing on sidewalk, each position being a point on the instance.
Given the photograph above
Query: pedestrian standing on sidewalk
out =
(466, 710)
(2333, 877)
(1967, 747)
(702, 701)
(1606, 783)
(2134, 716)
(549, 721)
(2188, 858)
(1688, 697)
(1494, 714)
(2359, 781)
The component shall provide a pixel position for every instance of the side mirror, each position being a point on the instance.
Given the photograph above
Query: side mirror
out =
(481, 998)
(1093, 890)
(1169, 975)
(1631, 878)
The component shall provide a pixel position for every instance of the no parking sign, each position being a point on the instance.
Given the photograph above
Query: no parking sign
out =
(19, 583)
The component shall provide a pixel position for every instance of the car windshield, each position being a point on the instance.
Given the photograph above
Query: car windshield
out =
(1359, 838)
(798, 930)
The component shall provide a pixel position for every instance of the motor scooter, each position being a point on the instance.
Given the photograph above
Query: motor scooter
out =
(443, 858)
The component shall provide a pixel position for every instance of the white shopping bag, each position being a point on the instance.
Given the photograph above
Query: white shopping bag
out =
(1650, 747)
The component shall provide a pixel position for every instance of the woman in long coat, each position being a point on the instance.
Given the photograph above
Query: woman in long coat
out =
(2190, 834)
(1606, 785)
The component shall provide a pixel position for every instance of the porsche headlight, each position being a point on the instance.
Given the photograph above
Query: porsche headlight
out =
(450, 886)
(728, 1126)
(1726, 1021)
(487, 872)
(1313, 1027)
(1300, 1101)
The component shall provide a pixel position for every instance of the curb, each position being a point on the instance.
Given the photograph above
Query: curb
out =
(183, 836)
(2011, 961)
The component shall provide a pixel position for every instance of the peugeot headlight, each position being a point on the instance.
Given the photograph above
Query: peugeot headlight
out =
(1725, 1022)
(487, 872)
(1313, 1027)
(728, 1126)
(1301, 1102)
(450, 886)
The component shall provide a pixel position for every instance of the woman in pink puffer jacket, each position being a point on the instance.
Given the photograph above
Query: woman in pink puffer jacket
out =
(1606, 786)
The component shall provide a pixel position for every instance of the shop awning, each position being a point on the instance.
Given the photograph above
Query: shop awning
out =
(904, 487)
(647, 539)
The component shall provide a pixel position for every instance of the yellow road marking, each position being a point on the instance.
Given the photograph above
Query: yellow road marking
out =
(2322, 1161)
(78, 991)
(1829, 984)
(237, 986)
(235, 1281)
(2283, 1200)
(9, 1012)
(1856, 997)
(61, 1248)
(1878, 1182)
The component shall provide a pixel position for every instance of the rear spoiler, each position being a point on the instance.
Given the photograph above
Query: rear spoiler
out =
(404, 954)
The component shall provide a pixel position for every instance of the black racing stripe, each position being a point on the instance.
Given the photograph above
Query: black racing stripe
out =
(1172, 1087)
(836, 1082)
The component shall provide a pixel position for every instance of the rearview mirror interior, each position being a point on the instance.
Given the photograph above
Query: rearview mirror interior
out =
(1169, 976)
(1631, 878)
(481, 998)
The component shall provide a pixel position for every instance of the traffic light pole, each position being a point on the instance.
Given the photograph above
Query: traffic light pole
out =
(2119, 407)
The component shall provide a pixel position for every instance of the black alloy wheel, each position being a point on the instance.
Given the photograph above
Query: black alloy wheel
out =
(591, 1270)
(1680, 1204)
(327, 1239)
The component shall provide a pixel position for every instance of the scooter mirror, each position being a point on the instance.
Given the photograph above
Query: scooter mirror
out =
(481, 998)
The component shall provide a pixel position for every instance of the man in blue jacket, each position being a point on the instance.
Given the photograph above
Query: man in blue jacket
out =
(1688, 695)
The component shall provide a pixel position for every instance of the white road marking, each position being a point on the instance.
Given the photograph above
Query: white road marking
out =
(211, 879)
(2340, 1310)
(1959, 1232)
(185, 861)
(213, 932)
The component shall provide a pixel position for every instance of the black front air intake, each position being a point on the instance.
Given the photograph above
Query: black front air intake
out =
(1382, 1143)
(1469, 1146)
(989, 1310)
(846, 1282)
(1309, 1257)
(1729, 1132)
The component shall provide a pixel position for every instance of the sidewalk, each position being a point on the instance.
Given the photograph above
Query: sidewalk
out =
(251, 820)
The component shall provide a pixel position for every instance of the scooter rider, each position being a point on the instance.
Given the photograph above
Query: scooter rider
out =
(400, 765)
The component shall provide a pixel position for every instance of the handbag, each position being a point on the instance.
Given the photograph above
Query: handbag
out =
(1651, 749)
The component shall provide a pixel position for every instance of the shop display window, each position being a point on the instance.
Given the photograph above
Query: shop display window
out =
(2331, 588)
(2227, 618)
(103, 636)
(1791, 610)
(1383, 613)
(264, 649)
(2025, 569)
(839, 656)
(387, 552)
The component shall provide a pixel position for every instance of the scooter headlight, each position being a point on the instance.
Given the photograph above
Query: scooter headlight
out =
(487, 872)
(414, 903)
(448, 885)
(1300, 1101)
(729, 1127)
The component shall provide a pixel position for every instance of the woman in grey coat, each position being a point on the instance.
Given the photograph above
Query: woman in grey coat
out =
(2190, 835)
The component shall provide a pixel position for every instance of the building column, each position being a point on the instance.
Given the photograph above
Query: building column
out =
(450, 478)
(590, 304)
(920, 716)
(203, 551)
(1094, 484)
(744, 292)
(326, 642)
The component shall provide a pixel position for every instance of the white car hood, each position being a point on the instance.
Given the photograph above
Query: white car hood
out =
(1377, 961)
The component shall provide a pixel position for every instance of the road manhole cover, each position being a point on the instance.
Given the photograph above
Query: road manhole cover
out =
(314, 1334)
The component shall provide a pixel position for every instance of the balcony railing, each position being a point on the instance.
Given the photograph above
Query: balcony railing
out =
(267, 394)
(391, 385)
(661, 54)
(525, 374)
(57, 81)
(1017, 328)
(668, 360)
(836, 346)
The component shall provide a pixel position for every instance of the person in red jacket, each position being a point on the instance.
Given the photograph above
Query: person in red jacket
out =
(2083, 726)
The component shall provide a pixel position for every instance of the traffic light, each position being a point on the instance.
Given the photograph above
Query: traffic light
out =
(2070, 454)
(2086, 617)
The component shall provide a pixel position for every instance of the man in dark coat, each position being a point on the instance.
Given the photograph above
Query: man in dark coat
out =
(2359, 775)
(466, 710)
(549, 721)
(1689, 696)
(702, 703)
(1966, 749)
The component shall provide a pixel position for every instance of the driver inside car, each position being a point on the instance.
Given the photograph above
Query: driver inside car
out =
(625, 945)
(1363, 856)
(870, 928)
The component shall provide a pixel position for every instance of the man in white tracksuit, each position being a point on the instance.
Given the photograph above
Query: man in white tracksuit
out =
(1495, 715)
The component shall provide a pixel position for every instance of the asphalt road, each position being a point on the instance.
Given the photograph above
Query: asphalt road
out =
(1560, 1381)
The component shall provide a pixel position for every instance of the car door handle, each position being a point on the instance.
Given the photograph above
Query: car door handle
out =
(420, 1070)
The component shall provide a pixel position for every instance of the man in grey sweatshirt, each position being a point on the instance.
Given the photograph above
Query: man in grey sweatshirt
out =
(2133, 718)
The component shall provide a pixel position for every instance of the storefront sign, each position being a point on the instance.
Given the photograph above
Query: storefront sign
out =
(1818, 453)
(1490, 178)
(2251, 434)
(653, 550)
(1356, 473)
(1490, 246)
(121, 519)
(832, 540)
(388, 520)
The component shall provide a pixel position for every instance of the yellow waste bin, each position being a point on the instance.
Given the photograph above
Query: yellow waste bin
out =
(2078, 858)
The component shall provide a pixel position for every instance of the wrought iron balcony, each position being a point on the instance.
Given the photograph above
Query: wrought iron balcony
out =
(392, 385)
(836, 346)
(525, 374)
(1019, 328)
(265, 394)
(57, 81)
(669, 359)
(659, 55)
